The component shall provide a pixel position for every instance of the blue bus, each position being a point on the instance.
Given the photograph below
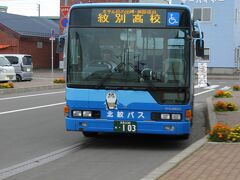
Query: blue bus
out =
(130, 69)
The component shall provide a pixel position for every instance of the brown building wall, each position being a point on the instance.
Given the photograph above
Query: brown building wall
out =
(41, 56)
(19, 45)
(8, 39)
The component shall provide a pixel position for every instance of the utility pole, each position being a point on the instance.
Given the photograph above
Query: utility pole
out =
(65, 2)
(38, 9)
(52, 38)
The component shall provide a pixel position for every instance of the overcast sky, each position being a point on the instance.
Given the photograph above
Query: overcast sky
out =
(30, 7)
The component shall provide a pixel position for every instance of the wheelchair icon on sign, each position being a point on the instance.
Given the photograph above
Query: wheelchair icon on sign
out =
(173, 19)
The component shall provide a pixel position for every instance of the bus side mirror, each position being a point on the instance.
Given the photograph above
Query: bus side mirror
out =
(60, 44)
(196, 34)
(199, 48)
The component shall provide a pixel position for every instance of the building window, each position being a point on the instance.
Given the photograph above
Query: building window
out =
(237, 16)
(39, 44)
(205, 58)
(202, 14)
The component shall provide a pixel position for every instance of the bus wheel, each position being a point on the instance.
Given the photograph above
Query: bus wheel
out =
(90, 134)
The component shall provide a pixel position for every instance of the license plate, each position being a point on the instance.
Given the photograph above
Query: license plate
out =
(125, 126)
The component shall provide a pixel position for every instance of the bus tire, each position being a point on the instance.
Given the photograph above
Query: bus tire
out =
(90, 134)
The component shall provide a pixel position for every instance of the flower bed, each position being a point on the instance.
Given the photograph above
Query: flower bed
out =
(6, 85)
(228, 117)
(223, 133)
(59, 80)
(222, 94)
(222, 106)
(219, 133)
(236, 88)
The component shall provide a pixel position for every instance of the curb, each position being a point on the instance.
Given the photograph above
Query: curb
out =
(31, 89)
(211, 114)
(170, 164)
(223, 78)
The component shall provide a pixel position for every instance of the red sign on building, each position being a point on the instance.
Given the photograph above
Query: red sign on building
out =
(64, 10)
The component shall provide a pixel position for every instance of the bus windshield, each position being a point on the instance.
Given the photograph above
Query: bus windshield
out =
(128, 57)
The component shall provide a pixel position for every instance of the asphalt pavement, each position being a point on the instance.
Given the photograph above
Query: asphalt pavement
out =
(202, 160)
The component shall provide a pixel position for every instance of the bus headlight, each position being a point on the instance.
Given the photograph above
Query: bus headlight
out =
(176, 116)
(76, 113)
(165, 116)
(87, 113)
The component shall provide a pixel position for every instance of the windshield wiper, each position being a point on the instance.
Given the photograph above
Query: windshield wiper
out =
(101, 83)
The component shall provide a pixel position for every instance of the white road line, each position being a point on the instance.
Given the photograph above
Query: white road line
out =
(212, 87)
(225, 88)
(27, 109)
(32, 95)
(196, 86)
(204, 92)
(27, 165)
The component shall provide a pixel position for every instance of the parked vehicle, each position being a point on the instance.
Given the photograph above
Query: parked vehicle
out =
(22, 64)
(7, 72)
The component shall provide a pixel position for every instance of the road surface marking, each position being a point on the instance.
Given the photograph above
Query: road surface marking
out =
(41, 160)
(225, 88)
(31, 108)
(212, 87)
(196, 86)
(204, 92)
(32, 95)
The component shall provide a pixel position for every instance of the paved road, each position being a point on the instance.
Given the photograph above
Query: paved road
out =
(30, 133)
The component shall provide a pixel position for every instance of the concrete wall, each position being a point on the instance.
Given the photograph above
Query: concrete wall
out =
(219, 32)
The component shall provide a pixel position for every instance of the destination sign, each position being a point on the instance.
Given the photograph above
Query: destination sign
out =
(129, 17)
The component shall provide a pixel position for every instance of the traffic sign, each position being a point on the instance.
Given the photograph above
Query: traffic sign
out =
(52, 32)
(64, 22)
(64, 10)
(52, 38)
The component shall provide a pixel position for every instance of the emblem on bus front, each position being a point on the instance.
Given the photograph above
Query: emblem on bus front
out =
(111, 100)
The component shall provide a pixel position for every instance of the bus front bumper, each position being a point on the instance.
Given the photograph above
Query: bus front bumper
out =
(143, 127)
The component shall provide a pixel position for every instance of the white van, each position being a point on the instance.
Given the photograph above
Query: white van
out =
(22, 64)
(7, 71)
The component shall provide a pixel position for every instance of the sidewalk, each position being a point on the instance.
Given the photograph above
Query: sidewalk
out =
(220, 161)
(42, 80)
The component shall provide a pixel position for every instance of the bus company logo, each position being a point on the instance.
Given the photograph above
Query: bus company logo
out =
(111, 100)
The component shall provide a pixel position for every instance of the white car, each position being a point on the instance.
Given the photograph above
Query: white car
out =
(7, 71)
